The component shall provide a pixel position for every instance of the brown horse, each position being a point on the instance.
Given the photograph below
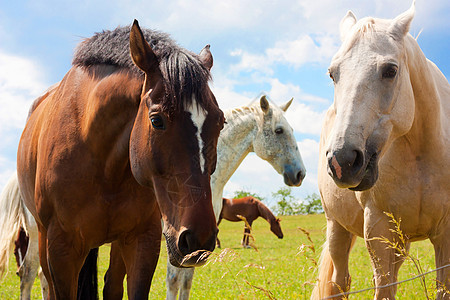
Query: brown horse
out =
(112, 149)
(250, 208)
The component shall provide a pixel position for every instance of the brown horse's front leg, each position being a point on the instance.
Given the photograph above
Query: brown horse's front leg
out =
(140, 255)
(65, 261)
(43, 261)
(116, 273)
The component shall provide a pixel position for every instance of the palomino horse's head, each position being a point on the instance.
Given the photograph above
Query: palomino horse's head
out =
(373, 98)
(276, 228)
(173, 144)
(275, 143)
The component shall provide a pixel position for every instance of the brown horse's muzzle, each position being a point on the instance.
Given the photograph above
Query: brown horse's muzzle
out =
(189, 223)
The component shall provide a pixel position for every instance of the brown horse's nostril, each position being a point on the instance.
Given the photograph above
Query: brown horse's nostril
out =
(188, 243)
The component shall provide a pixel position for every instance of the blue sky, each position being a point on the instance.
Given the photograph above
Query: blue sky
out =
(282, 48)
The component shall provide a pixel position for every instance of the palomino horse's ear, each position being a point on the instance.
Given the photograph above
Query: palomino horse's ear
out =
(264, 104)
(141, 53)
(286, 106)
(400, 25)
(206, 57)
(346, 24)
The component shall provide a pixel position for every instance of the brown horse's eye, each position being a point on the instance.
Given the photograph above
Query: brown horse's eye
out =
(390, 71)
(157, 122)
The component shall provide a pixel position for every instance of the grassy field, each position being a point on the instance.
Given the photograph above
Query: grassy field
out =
(282, 268)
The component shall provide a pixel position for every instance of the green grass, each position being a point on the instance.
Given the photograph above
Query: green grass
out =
(281, 268)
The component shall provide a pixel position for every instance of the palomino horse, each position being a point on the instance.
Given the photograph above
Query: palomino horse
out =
(384, 150)
(261, 128)
(112, 149)
(251, 209)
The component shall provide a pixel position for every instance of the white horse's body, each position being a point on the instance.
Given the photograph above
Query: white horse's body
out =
(384, 149)
(13, 216)
(248, 129)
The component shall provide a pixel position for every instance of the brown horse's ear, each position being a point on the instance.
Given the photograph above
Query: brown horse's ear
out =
(141, 53)
(264, 104)
(278, 220)
(206, 57)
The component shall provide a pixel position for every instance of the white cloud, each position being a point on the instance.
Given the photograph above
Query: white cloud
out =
(295, 53)
(283, 92)
(20, 83)
(304, 119)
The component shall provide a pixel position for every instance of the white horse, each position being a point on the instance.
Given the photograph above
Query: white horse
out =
(13, 216)
(260, 128)
(384, 149)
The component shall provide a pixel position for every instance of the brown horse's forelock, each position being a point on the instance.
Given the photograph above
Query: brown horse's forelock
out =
(184, 76)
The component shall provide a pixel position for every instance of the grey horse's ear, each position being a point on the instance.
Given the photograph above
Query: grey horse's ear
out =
(286, 106)
(206, 57)
(346, 24)
(264, 104)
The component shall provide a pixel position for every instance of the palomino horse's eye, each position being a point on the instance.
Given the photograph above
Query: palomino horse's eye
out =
(157, 122)
(390, 71)
(279, 130)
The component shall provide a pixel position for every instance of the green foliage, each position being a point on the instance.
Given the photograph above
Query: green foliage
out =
(287, 205)
(242, 194)
(312, 205)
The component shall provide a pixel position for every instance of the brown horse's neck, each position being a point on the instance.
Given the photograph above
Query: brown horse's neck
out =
(264, 212)
(111, 111)
(429, 86)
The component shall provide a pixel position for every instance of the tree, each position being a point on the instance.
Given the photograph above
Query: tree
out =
(286, 203)
(242, 194)
(313, 204)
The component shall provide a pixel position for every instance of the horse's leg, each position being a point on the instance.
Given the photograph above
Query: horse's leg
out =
(114, 276)
(340, 242)
(65, 260)
(140, 254)
(44, 285)
(247, 233)
(217, 238)
(442, 257)
(399, 263)
(30, 266)
(44, 263)
(186, 283)
(173, 279)
(383, 258)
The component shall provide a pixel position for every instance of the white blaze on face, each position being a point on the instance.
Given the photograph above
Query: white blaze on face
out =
(198, 116)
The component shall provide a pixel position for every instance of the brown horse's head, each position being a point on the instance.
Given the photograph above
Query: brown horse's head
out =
(276, 228)
(173, 143)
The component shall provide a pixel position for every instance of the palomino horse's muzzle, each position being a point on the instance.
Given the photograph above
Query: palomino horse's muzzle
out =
(353, 168)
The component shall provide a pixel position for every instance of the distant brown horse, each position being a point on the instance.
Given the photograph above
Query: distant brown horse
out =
(110, 150)
(250, 208)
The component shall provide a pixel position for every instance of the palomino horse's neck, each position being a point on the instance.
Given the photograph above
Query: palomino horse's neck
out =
(431, 93)
(264, 212)
(235, 142)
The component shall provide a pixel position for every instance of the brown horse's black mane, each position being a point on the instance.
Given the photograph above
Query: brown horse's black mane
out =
(183, 73)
